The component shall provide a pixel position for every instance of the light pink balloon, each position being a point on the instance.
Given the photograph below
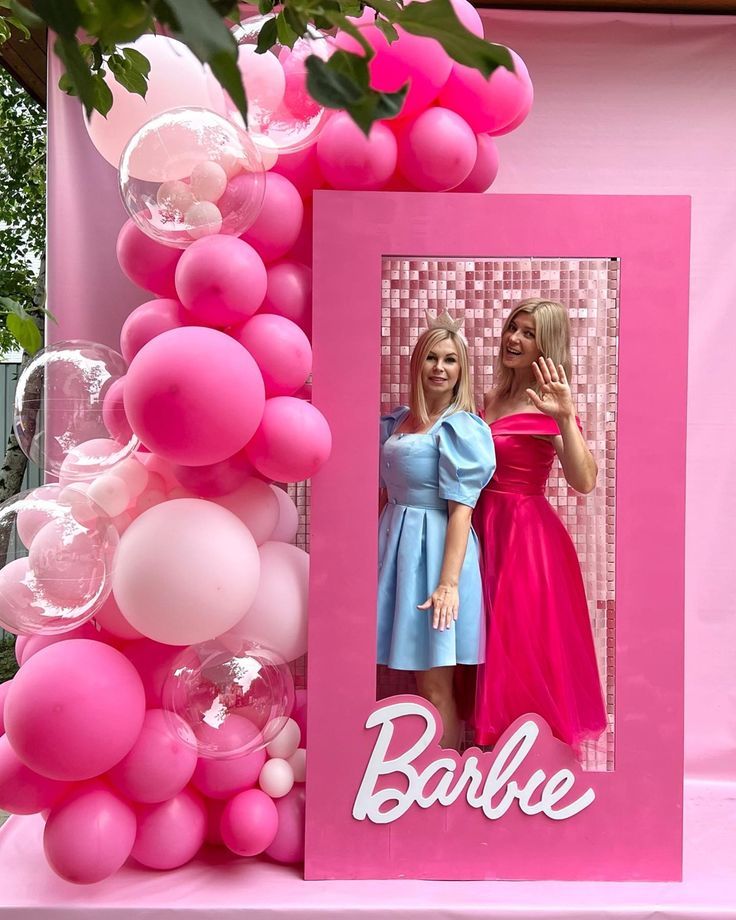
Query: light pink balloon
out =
(437, 150)
(203, 219)
(302, 170)
(286, 742)
(483, 174)
(298, 764)
(217, 478)
(292, 442)
(350, 160)
(113, 412)
(277, 619)
(221, 280)
(220, 779)
(194, 396)
(281, 351)
(155, 464)
(288, 844)
(23, 792)
(149, 320)
(74, 710)
(111, 619)
(288, 522)
(89, 459)
(208, 181)
(289, 293)
(256, 506)
(89, 836)
(193, 585)
(488, 104)
(69, 565)
(170, 833)
(153, 662)
(249, 823)
(276, 228)
(29, 520)
(146, 262)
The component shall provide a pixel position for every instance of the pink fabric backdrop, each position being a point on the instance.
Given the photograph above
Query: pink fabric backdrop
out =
(625, 104)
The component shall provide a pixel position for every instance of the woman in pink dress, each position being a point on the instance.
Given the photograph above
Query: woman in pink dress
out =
(540, 656)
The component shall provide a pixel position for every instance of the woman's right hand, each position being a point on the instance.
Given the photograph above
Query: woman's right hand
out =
(445, 604)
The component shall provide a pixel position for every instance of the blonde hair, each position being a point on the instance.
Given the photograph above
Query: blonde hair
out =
(462, 395)
(552, 334)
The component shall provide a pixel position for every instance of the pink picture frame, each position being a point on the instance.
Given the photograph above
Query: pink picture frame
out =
(622, 824)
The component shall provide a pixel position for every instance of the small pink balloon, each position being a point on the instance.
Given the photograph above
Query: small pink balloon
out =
(222, 778)
(483, 174)
(302, 170)
(217, 478)
(111, 619)
(289, 293)
(249, 823)
(288, 844)
(149, 320)
(286, 742)
(155, 464)
(153, 661)
(89, 836)
(208, 181)
(170, 833)
(221, 280)
(437, 150)
(23, 792)
(350, 160)
(281, 351)
(298, 764)
(277, 226)
(30, 520)
(256, 506)
(146, 262)
(288, 522)
(277, 778)
(203, 219)
(113, 412)
(292, 442)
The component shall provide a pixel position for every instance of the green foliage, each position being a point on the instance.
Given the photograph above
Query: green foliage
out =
(8, 664)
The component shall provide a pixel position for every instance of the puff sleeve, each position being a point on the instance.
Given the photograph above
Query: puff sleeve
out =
(467, 458)
(388, 423)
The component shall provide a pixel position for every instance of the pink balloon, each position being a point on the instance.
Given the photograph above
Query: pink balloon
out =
(488, 104)
(256, 506)
(170, 833)
(194, 396)
(149, 320)
(292, 442)
(281, 351)
(302, 170)
(4, 688)
(220, 779)
(468, 16)
(193, 585)
(289, 293)
(90, 835)
(155, 464)
(113, 412)
(159, 765)
(153, 662)
(249, 823)
(276, 228)
(218, 478)
(277, 619)
(20, 644)
(23, 792)
(34, 644)
(526, 107)
(485, 170)
(350, 160)
(288, 844)
(146, 262)
(437, 150)
(221, 280)
(288, 522)
(74, 710)
(111, 619)
(69, 564)
(29, 521)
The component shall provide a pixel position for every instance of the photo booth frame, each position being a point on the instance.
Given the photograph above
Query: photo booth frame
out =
(384, 801)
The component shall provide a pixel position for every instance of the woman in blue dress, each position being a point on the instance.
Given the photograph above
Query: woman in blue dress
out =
(436, 457)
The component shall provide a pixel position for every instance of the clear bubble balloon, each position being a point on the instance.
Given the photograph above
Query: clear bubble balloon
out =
(57, 558)
(234, 702)
(282, 116)
(190, 173)
(59, 406)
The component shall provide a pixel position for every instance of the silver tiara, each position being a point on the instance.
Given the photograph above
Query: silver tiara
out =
(446, 321)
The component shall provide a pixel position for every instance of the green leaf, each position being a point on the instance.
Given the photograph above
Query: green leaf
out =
(126, 75)
(8, 305)
(4, 30)
(26, 16)
(78, 71)
(102, 94)
(63, 16)
(25, 332)
(267, 37)
(286, 35)
(66, 85)
(265, 6)
(20, 26)
(139, 62)
(295, 21)
(437, 19)
(387, 28)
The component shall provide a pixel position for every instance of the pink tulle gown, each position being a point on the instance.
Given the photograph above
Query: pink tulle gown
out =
(540, 656)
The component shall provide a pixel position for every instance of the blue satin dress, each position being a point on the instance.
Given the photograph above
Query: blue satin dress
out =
(453, 461)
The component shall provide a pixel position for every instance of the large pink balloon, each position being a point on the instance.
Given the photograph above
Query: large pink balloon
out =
(302, 170)
(218, 478)
(149, 320)
(289, 293)
(153, 662)
(220, 779)
(277, 619)
(249, 823)
(170, 833)
(23, 792)
(90, 835)
(4, 688)
(281, 351)
(256, 505)
(110, 618)
(350, 160)
(437, 150)
(276, 228)
(221, 280)
(483, 174)
(292, 442)
(194, 396)
(74, 710)
(146, 262)
(288, 844)
(288, 522)
(194, 584)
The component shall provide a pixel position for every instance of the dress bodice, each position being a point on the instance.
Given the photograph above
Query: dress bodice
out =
(523, 462)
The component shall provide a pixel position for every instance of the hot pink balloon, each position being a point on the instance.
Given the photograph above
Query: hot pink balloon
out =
(437, 150)
(302, 170)
(23, 792)
(90, 835)
(74, 710)
(218, 478)
(276, 228)
(149, 320)
(526, 107)
(194, 396)
(4, 688)
(288, 844)
(288, 522)
(483, 174)
(488, 104)
(289, 293)
(221, 280)
(281, 351)
(468, 16)
(222, 778)
(113, 412)
(170, 833)
(292, 442)
(34, 644)
(249, 823)
(350, 160)
(256, 506)
(153, 662)
(146, 262)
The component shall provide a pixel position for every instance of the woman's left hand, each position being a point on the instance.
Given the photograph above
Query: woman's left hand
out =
(445, 603)
(555, 397)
